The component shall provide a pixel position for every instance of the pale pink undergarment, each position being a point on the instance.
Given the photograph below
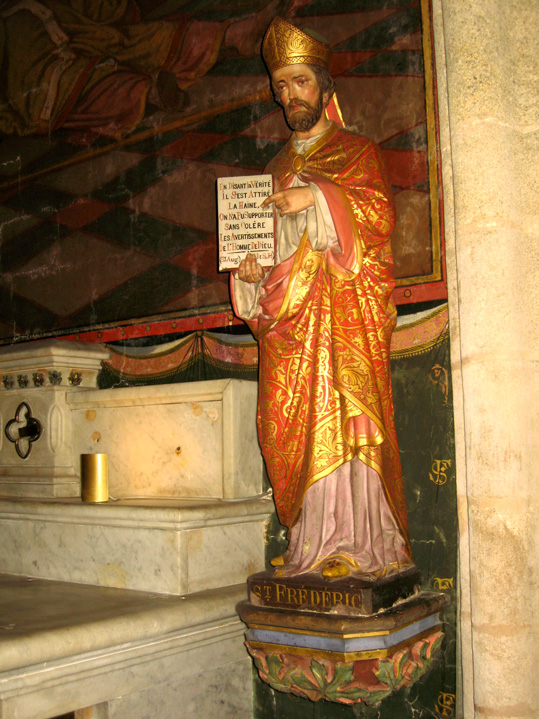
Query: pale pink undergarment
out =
(346, 514)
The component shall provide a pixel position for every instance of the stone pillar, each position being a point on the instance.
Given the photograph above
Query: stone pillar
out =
(486, 55)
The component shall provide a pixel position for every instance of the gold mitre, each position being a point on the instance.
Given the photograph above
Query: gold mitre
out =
(285, 44)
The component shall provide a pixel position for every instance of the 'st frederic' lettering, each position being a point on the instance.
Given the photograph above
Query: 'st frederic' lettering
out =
(301, 596)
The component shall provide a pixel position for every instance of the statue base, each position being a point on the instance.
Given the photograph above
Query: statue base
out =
(346, 595)
(335, 650)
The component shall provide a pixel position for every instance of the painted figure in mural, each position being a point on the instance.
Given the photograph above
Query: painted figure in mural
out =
(93, 66)
(324, 316)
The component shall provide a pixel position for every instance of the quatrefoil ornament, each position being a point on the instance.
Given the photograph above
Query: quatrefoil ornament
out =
(23, 429)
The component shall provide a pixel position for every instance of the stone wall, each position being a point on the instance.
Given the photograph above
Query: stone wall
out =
(486, 56)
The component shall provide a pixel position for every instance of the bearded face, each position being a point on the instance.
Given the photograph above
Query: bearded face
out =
(298, 90)
(301, 115)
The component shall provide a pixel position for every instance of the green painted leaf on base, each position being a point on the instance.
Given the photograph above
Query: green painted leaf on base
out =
(436, 645)
(354, 694)
(274, 665)
(376, 697)
(304, 682)
(385, 674)
(343, 674)
(319, 673)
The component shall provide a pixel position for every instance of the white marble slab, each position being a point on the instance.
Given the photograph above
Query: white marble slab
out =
(222, 692)
(64, 647)
(171, 547)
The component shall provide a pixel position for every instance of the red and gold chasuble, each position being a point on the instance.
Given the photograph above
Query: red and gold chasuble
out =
(324, 329)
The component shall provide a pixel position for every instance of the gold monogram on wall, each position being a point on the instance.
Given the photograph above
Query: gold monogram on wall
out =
(445, 705)
(443, 582)
(438, 473)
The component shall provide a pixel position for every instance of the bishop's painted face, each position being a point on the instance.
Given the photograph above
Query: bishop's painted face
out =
(296, 86)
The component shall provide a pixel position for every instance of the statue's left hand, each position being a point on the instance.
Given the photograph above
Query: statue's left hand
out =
(250, 270)
(292, 200)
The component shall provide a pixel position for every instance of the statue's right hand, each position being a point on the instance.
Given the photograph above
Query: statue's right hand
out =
(250, 270)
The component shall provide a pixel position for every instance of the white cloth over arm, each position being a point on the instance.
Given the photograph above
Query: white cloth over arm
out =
(289, 230)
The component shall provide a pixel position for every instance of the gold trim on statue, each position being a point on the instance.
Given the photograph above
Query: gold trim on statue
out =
(285, 44)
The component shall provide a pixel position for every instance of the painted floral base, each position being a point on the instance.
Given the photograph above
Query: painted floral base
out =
(363, 681)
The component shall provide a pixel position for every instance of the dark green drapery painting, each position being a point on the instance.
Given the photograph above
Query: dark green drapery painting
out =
(105, 224)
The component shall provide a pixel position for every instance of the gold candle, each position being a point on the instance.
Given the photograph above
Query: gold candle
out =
(94, 477)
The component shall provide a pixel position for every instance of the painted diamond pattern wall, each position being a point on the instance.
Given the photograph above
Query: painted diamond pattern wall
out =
(100, 232)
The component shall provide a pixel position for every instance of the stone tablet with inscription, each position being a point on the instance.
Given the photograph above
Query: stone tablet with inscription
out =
(244, 226)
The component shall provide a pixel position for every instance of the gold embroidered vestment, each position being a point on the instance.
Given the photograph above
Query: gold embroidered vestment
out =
(324, 326)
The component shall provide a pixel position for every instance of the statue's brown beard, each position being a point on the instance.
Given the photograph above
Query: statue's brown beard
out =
(306, 119)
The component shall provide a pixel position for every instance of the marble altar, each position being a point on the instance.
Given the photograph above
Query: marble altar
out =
(182, 440)
(124, 609)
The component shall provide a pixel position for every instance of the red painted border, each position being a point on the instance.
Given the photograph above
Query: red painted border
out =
(151, 328)
(437, 290)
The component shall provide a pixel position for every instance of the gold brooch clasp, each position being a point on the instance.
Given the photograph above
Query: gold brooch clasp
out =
(298, 163)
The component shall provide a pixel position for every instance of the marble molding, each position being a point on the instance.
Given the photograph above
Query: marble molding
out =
(51, 362)
(221, 692)
(124, 654)
(196, 439)
(168, 547)
(42, 374)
